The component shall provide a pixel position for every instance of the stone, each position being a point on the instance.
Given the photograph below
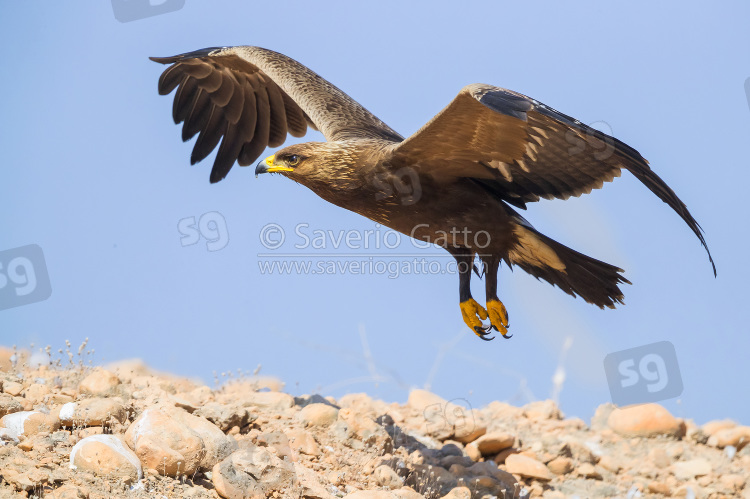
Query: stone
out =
(165, 445)
(302, 441)
(106, 455)
(611, 464)
(406, 493)
(458, 493)
(658, 488)
(172, 441)
(317, 414)
(36, 392)
(737, 436)
(588, 470)
(646, 420)
(659, 457)
(93, 412)
(253, 473)
(718, 424)
(68, 491)
(268, 400)
(386, 477)
(444, 419)
(560, 465)
(225, 416)
(685, 470)
(99, 383)
(527, 467)
(278, 442)
(29, 423)
(492, 443)
(363, 428)
(601, 415)
(542, 409)
(9, 405)
(503, 455)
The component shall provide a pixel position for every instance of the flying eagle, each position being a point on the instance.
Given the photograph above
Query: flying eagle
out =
(451, 183)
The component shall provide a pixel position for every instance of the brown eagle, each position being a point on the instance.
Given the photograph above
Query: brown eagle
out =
(451, 183)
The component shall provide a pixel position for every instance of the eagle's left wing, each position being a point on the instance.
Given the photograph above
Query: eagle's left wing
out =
(524, 150)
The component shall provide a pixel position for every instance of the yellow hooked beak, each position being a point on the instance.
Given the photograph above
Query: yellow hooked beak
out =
(267, 166)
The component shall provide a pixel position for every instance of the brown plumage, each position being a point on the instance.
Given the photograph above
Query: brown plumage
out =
(456, 176)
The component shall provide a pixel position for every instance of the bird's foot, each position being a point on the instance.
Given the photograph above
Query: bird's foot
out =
(470, 309)
(498, 317)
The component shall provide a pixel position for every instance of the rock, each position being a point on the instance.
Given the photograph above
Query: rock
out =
(588, 470)
(718, 424)
(267, 400)
(305, 400)
(406, 493)
(658, 488)
(737, 436)
(36, 392)
(646, 420)
(601, 415)
(503, 455)
(560, 465)
(363, 428)
(318, 414)
(659, 457)
(279, 442)
(9, 405)
(386, 477)
(68, 491)
(733, 482)
(165, 445)
(29, 423)
(458, 493)
(12, 388)
(685, 470)
(99, 383)
(171, 441)
(93, 412)
(543, 409)
(444, 419)
(527, 467)
(253, 473)
(226, 416)
(302, 441)
(492, 443)
(611, 464)
(105, 455)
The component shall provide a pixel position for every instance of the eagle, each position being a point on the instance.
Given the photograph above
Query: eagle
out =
(457, 182)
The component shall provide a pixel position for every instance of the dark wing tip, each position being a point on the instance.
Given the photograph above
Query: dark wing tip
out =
(187, 55)
(507, 103)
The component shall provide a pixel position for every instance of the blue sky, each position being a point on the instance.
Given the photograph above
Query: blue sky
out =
(95, 174)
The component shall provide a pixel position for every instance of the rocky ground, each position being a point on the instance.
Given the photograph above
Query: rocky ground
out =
(74, 431)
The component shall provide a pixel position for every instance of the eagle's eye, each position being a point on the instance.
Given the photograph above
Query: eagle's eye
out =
(293, 160)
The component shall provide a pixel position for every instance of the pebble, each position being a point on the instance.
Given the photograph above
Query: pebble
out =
(560, 465)
(685, 470)
(737, 436)
(542, 409)
(492, 443)
(106, 455)
(12, 388)
(252, 473)
(646, 420)
(28, 423)
(99, 383)
(386, 477)
(527, 467)
(8, 404)
(318, 414)
(93, 412)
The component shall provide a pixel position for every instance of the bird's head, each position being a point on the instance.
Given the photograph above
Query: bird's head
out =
(314, 164)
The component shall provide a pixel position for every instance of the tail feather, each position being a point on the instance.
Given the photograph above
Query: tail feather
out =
(575, 273)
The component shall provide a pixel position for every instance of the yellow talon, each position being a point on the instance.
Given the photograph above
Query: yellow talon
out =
(498, 316)
(470, 309)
